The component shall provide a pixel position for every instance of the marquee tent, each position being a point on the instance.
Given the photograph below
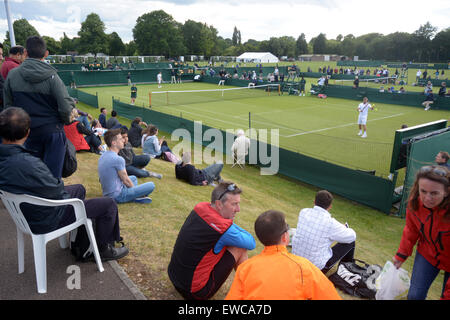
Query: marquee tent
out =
(259, 57)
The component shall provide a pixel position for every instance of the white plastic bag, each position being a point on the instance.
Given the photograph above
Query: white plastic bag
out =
(392, 283)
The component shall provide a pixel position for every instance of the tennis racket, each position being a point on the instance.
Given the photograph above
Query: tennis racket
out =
(374, 107)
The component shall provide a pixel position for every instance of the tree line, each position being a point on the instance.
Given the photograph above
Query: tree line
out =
(157, 33)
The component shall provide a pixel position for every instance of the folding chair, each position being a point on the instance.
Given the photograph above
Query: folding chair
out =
(12, 203)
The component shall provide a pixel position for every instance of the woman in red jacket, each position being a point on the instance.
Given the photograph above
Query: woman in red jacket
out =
(428, 225)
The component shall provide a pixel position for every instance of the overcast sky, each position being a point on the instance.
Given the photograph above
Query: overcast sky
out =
(256, 19)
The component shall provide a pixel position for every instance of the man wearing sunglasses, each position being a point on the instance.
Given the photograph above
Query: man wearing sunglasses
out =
(209, 245)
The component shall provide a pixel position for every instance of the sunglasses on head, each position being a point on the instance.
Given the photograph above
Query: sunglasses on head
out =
(230, 188)
(436, 170)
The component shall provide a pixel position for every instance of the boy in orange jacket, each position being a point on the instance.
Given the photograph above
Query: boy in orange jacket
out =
(276, 274)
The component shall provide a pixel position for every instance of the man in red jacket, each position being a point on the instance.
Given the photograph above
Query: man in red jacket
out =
(16, 56)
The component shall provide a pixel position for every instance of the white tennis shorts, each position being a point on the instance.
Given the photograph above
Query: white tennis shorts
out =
(362, 120)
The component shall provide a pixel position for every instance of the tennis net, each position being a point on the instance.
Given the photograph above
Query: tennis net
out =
(183, 97)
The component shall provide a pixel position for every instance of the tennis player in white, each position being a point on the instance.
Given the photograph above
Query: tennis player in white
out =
(159, 79)
(363, 110)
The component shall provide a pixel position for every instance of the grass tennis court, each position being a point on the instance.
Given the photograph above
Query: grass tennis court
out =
(322, 128)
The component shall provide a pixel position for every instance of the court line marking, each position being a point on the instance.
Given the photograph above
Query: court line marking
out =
(341, 126)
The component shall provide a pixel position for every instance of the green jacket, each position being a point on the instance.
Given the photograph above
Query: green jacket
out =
(36, 87)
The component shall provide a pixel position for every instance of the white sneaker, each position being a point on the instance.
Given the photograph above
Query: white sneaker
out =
(360, 133)
(427, 108)
(364, 135)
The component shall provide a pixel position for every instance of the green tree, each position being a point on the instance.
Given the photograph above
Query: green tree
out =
(319, 44)
(22, 30)
(157, 33)
(93, 38)
(301, 45)
(66, 44)
(53, 46)
(441, 45)
(423, 39)
(116, 45)
(236, 37)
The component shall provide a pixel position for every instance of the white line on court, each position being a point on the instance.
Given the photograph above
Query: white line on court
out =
(341, 126)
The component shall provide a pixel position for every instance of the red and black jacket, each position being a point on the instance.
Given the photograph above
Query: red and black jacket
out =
(193, 257)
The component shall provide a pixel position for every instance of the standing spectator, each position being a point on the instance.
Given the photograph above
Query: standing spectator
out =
(129, 78)
(276, 274)
(173, 74)
(135, 132)
(302, 85)
(113, 175)
(102, 117)
(427, 225)
(436, 75)
(209, 245)
(356, 83)
(36, 87)
(317, 230)
(16, 57)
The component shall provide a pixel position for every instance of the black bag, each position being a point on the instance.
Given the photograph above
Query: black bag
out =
(356, 280)
(80, 248)
(70, 160)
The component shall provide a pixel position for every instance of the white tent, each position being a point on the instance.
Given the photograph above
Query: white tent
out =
(260, 57)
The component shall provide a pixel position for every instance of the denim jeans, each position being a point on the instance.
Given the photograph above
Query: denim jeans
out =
(139, 161)
(138, 191)
(212, 172)
(422, 277)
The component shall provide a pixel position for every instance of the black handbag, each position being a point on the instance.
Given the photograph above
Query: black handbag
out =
(70, 160)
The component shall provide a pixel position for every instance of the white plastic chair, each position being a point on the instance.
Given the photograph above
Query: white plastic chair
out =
(12, 203)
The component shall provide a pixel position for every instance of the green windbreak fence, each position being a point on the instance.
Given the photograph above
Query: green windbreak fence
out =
(407, 98)
(84, 97)
(96, 78)
(355, 185)
(422, 153)
(351, 63)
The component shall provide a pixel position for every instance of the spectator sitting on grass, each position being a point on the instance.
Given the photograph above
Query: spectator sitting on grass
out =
(184, 170)
(276, 274)
(81, 137)
(152, 145)
(102, 117)
(113, 123)
(135, 132)
(209, 245)
(317, 230)
(135, 164)
(113, 175)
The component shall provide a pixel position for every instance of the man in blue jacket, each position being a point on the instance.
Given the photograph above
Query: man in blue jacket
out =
(36, 87)
(209, 245)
